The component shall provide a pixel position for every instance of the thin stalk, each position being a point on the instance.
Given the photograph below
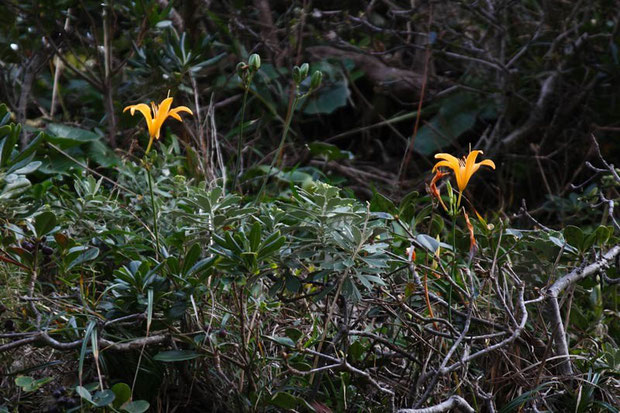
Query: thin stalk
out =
(154, 208)
(240, 140)
(453, 274)
(148, 147)
(287, 125)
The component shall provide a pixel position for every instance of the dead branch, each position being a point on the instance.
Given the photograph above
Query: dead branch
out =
(452, 403)
(578, 274)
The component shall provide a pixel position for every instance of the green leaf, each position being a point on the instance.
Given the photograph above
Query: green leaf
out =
(103, 398)
(606, 406)
(350, 291)
(68, 136)
(25, 382)
(285, 341)
(292, 283)
(44, 223)
(149, 308)
(254, 236)
(87, 333)
(83, 393)
(327, 99)
(356, 350)
(176, 355)
(7, 144)
(329, 151)
(15, 185)
(603, 233)
(271, 245)
(517, 402)
(514, 232)
(574, 236)
(428, 242)
(562, 244)
(201, 265)
(29, 168)
(122, 393)
(293, 333)
(30, 148)
(284, 400)
(16, 166)
(5, 115)
(191, 257)
(88, 255)
(138, 406)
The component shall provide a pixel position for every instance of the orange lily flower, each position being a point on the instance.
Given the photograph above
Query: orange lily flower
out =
(463, 168)
(159, 114)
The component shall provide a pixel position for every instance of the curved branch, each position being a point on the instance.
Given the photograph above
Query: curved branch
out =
(447, 405)
(104, 344)
(578, 274)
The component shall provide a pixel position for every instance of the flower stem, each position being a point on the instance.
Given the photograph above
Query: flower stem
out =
(154, 208)
(287, 124)
(453, 274)
(240, 140)
(148, 148)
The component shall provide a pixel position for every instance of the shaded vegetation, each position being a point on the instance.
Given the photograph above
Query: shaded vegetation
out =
(284, 247)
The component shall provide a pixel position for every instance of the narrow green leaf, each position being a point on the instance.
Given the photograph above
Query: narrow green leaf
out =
(88, 255)
(149, 309)
(428, 242)
(201, 265)
(176, 355)
(89, 330)
(269, 248)
(255, 236)
(285, 341)
(192, 255)
(30, 148)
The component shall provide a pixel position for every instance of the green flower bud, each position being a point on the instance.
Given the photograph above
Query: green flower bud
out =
(317, 78)
(254, 61)
(297, 75)
(304, 70)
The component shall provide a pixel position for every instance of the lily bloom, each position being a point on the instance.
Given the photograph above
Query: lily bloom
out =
(463, 168)
(159, 114)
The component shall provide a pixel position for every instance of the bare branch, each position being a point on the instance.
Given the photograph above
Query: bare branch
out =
(451, 403)
(578, 274)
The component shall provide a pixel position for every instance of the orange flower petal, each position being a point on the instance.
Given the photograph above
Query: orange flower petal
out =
(146, 112)
(472, 238)
(156, 115)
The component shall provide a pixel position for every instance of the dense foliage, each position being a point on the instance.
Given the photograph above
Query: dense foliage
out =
(245, 262)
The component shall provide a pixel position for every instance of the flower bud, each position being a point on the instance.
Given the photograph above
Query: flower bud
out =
(297, 75)
(317, 78)
(254, 61)
(304, 70)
